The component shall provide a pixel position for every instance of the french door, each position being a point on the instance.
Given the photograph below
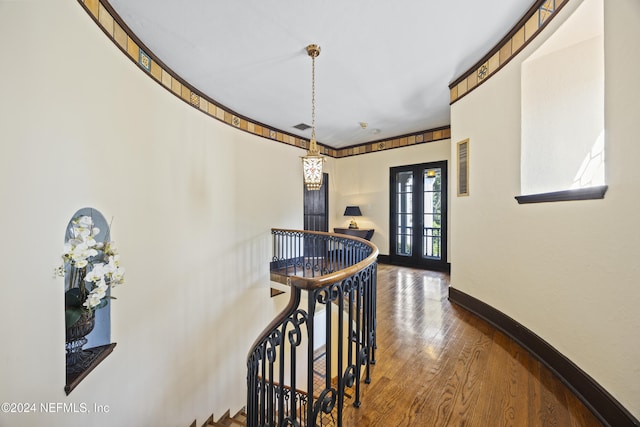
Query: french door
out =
(418, 215)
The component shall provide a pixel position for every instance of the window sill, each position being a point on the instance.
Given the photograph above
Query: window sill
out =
(589, 193)
(98, 354)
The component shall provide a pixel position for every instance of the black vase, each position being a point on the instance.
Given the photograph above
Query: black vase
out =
(78, 359)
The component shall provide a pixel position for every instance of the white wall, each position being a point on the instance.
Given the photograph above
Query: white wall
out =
(563, 117)
(569, 271)
(81, 125)
(364, 181)
(563, 106)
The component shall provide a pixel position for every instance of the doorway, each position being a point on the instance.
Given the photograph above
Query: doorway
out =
(316, 207)
(418, 215)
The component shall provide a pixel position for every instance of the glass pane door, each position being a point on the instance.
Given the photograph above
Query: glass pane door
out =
(404, 213)
(418, 215)
(432, 213)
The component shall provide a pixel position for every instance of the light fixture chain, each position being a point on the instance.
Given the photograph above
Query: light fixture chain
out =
(312, 162)
(313, 102)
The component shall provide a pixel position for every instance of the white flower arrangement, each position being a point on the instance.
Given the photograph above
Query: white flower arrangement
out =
(93, 267)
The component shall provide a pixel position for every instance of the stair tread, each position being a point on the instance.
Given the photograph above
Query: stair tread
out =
(229, 422)
(239, 419)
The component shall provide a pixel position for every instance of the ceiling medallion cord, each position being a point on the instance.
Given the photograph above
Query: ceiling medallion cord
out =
(313, 162)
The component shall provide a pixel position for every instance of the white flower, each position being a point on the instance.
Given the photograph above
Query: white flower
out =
(68, 248)
(117, 277)
(90, 241)
(102, 285)
(112, 266)
(83, 251)
(114, 260)
(92, 301)
(84, 221)
(97, 294)
(100, 291)
(111, 249)
(100, 259)
(81, 263)
(80, 233)
(84, 230)
(96, 274)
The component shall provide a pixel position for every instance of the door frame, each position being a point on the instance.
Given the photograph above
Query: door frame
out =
(416, 259)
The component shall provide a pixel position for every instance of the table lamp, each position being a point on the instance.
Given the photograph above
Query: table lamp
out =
(352, 211)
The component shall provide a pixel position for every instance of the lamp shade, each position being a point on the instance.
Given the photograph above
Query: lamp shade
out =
(352, 211)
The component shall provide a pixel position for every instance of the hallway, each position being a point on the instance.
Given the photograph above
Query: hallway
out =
(439, 365)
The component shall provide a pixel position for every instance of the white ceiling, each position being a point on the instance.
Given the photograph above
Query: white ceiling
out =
(384, 63)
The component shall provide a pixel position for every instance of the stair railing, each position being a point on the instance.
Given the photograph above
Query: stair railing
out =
(332, 308)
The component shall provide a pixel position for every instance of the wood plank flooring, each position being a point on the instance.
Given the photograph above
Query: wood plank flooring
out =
(439, 365)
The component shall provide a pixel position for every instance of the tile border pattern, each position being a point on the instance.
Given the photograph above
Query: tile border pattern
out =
(529, 26)
(113, 26)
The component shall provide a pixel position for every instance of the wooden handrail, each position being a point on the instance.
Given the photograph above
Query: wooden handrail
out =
(310, 283)
(314, 282)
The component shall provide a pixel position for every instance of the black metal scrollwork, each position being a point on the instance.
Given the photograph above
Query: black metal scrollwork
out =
(274, 340)
(346, 328)
(296, 320)
(325, 403)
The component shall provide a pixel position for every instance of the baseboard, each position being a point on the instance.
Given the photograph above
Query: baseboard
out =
(604, 406)
(386, 259)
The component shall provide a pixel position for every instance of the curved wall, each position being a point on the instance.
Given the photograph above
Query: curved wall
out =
(185, 197)
(568, 271)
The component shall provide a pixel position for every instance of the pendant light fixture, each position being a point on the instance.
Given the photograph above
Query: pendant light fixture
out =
(313, 162)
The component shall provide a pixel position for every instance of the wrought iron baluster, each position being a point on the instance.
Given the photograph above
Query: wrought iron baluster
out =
(311, 309)
(340, 340)
(373, 277)
(272, 395)
(280, 387)
(263, 395)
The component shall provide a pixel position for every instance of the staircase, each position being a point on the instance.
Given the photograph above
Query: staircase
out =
(239, 419)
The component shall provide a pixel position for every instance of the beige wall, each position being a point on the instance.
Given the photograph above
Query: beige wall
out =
(81, 125)
(364, 181)
(568, 271)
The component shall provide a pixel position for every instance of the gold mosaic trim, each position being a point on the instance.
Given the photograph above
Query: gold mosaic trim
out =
(525, 31)
(387, 144)
(123, 37)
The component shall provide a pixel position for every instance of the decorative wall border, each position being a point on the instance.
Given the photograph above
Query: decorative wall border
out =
(123, 37)
(421, 137)
(529, 26)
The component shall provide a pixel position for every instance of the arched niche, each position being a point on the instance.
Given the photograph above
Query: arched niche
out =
(98, 344)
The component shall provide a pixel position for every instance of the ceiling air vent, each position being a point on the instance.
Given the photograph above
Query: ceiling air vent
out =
(302, 126)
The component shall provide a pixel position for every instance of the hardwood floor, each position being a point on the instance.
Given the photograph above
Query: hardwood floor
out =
(439, 365)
